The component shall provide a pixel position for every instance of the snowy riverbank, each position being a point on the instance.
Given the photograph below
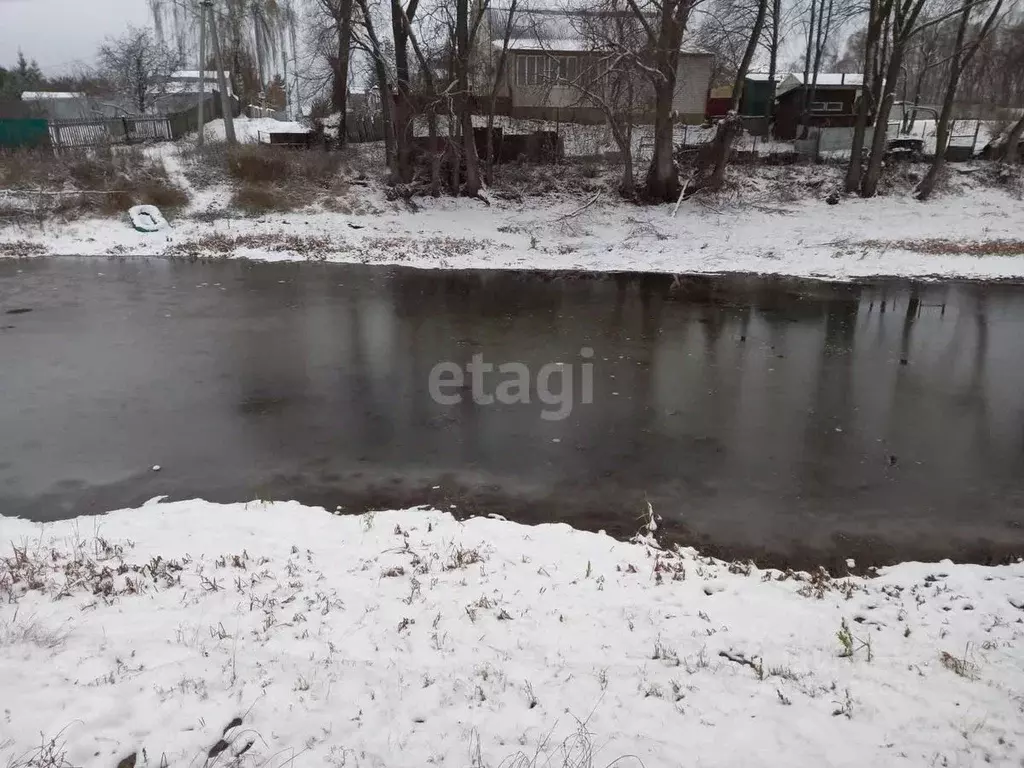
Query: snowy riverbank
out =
(407, 639)
(771, 219)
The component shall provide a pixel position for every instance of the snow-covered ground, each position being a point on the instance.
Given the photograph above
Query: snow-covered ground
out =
(772, 219)
(191, 632)
(802, 238)
(250, 130)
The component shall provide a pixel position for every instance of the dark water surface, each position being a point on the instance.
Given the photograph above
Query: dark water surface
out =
(793, 420)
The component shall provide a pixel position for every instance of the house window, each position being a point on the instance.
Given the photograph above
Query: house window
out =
(565, 68)
(826, 106)
(542, 68)
(531, 69)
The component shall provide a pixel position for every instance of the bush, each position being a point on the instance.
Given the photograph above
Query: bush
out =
(268, 178)
(254, 199)
(257, 163)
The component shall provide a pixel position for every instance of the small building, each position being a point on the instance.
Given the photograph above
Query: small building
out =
(58, 105)
(719, 101)
(833, 102)
(181, 92)
(540, 76)
(759, 89)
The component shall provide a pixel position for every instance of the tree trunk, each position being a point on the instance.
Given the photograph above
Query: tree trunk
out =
(869, 184)
(339, 91)
(927, 185)
(1010, 151)
(962, 55)
(732, 125)
(403, 111)
(387, 117)
(869, 94)
(773, 57)
(499, 76)
(806, 102)
(465, 106)
(435, 151)
(662, 182)
(728, 129)
(258, 39)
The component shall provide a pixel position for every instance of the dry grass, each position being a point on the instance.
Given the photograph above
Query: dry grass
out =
(19, 248)
(517, 181)
(100, 181)
(943, 246)
(271, 179)
(959, 665)
(219, 245)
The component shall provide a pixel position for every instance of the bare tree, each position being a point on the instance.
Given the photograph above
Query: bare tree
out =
(339, 13)
(873, 65)
(138, 66)
(402, 17)
(365, 36)
(905, 24)
(611, 77)
(498, 69)
(963, 52)
(664, 23)
(714, 160)
(466, 24)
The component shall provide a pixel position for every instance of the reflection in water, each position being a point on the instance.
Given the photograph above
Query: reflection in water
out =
(758, 414)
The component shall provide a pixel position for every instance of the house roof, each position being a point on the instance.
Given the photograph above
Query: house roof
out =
(44, 95)
(823, 80)
(567, 44)
(193, 74)
(762, 77)
(186, 81)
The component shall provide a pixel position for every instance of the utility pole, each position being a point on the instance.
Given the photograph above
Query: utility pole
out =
(225, 100)
(202, 71)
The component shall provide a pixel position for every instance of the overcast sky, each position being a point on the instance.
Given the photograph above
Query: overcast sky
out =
(59, 33)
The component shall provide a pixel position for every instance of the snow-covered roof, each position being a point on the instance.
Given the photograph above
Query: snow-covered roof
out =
(43, 95)
(193, 74)
(567, 44)
(762, 77)
(533, 44)
(187, 81)
(823, 80)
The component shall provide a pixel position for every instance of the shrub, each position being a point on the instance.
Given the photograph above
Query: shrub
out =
(254, 199)
(252, 163)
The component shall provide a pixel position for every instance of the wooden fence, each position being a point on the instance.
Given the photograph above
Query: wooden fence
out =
(90, 132)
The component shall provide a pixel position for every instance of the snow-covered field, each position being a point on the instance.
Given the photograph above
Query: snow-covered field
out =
(275, 634)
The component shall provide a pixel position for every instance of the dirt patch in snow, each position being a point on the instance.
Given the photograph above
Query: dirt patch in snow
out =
(944, 247)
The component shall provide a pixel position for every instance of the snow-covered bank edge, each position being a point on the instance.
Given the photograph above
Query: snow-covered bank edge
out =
(857, 238)
(407, 638)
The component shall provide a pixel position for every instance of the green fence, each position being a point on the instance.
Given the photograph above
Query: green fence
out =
(24, 133)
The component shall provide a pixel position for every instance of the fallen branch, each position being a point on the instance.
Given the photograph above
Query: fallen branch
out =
(682, 194)
(578, 211)
(740, 659)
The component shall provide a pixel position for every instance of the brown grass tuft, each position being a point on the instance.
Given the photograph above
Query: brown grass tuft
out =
(942, 246)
